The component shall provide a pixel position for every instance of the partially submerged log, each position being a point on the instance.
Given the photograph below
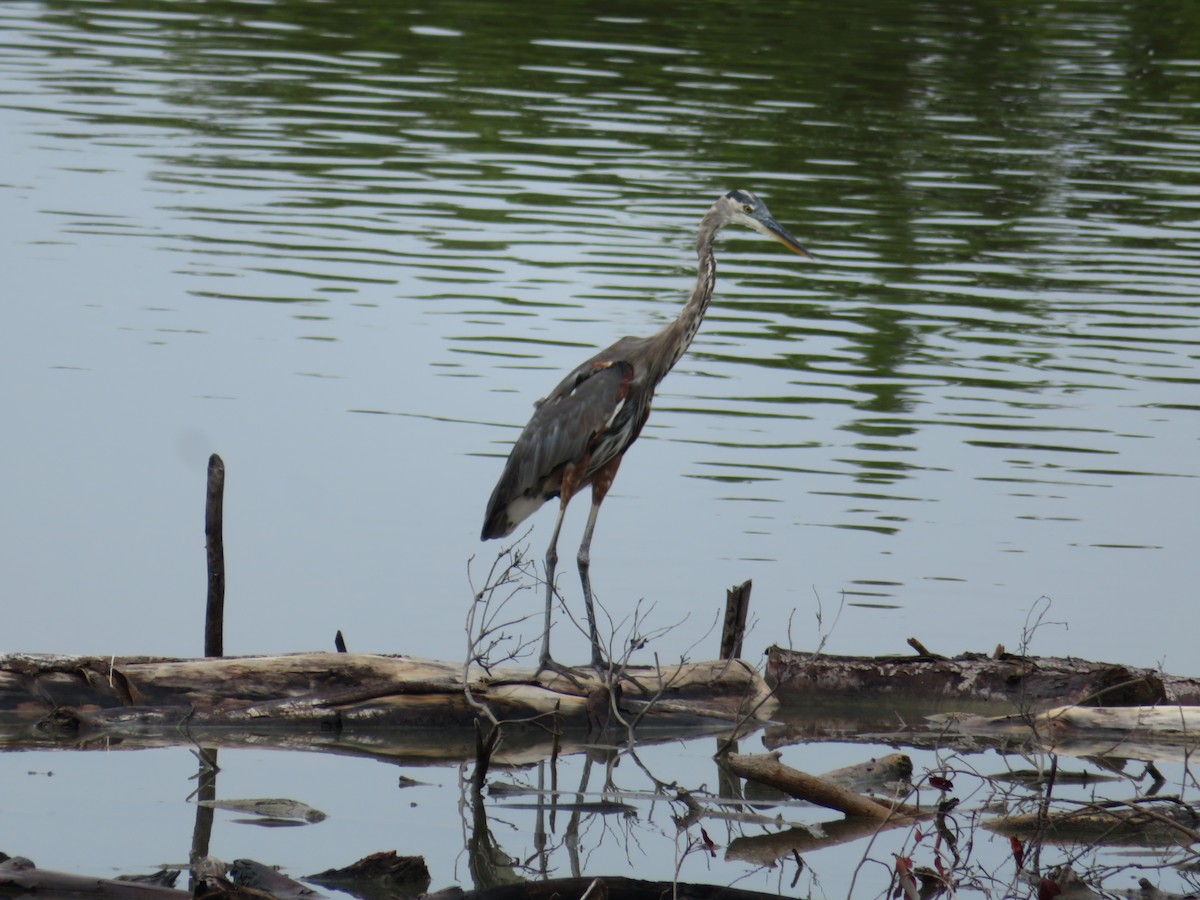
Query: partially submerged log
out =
(1005, 679)
(1133, 732)
(766, 768)
(339, 691)
(380, 874)
(1146, 822)
(836, 790)
(20, 874)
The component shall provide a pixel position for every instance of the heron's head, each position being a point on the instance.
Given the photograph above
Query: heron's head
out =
(744, 208)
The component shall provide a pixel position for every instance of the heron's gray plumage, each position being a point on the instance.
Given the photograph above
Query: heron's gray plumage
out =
(591, 416)
(580, 431)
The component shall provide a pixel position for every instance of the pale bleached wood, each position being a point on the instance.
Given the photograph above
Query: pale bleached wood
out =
(766, 768)
(347, 689)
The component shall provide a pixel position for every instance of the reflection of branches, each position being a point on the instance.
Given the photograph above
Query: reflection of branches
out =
(488, 864)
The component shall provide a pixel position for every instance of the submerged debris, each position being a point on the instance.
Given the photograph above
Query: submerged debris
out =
(270, 808)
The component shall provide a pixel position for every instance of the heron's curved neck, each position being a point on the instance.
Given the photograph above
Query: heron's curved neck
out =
(673, 340)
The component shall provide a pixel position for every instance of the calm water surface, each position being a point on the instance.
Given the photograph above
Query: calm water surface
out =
(348, 245)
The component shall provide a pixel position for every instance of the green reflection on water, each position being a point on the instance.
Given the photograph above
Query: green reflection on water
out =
(1002, 196)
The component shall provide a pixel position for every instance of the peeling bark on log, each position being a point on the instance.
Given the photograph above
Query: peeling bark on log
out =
(75, 696)
(1022, 681)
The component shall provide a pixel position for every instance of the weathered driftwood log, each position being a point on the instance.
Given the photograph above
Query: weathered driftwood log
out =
(767, 769)
(864, 815)
(1023, 682)
(883, 774)
(356, 690)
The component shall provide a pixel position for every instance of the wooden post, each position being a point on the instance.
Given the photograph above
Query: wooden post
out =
(737, 602)
(214, 619)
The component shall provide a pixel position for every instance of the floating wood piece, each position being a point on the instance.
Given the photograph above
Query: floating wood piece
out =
(380, 874)
(251, 874)
(767, 769)
(882, 774)
(72, 695)
(270, 808)
(976, 678)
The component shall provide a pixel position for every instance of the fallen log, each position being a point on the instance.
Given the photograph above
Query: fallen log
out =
(1132, 732)
(1155, 821)
(863, 815)
(1003, 679)
(21, 874)
(766, 768)
(333, 692)
(885, 773)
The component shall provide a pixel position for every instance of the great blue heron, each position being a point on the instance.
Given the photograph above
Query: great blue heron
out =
(579, 433)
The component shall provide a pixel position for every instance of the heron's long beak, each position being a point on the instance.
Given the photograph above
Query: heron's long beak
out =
(781, 234)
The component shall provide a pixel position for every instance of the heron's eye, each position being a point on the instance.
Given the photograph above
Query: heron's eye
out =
(746, 207)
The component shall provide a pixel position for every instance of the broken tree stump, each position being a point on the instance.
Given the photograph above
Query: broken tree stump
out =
(737, 606)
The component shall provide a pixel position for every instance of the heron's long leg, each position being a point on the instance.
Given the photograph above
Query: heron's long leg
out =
(600, 485)
(570, 483)
(544, 660)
